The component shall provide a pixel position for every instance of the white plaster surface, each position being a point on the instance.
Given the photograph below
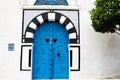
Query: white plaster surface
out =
(100, 53)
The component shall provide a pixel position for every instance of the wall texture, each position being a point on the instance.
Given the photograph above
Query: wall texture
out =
(99, 52)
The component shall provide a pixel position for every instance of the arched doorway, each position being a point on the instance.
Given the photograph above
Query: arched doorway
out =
(50, 16)
(50, 52)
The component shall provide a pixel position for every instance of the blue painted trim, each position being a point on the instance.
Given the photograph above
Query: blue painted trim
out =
(51, 2)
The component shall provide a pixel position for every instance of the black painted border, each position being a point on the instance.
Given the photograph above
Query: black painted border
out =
(22, 38)
(21, 69)
(78, 58)
(78, 35)
(31, 45)
(45, 18)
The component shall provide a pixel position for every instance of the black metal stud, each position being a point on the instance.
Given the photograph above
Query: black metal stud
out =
(58, 54)
(55, 40)
(46, 39)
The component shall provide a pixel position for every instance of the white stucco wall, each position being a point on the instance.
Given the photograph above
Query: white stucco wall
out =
(100, 53)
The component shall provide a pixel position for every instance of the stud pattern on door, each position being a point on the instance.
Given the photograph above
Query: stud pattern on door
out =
(50, 52)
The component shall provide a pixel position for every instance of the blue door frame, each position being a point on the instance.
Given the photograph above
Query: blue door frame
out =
(50, 52)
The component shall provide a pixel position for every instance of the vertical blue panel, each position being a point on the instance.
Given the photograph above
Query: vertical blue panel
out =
(50, 52)
(60, 51)
(41, 51)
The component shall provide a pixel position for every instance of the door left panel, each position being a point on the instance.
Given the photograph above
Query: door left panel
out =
(40, 62)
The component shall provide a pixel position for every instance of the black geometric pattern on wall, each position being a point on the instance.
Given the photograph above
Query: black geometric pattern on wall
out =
(50, 16)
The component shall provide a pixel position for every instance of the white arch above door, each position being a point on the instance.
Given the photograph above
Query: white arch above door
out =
(51, 16)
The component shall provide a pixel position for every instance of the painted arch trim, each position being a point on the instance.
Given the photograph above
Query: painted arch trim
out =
(50, 16)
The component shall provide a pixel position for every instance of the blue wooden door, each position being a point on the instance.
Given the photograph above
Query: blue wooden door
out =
(50, 52)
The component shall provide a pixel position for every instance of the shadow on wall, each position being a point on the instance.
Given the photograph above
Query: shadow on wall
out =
(111, 58)
(114, 42)
(113, 77)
